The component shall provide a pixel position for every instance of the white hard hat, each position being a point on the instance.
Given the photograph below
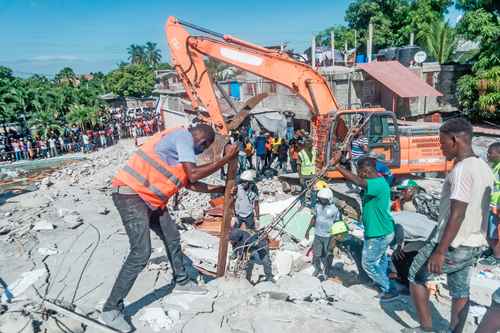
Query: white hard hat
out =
(325, 193)
(248, 176)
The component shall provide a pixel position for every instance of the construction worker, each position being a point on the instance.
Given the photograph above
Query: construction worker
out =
(258, 252)
(307, 170)
(269, 151)
(249, 151)
(325, 214)
(246, 206)
(494, 215)
(275, 148)
(141, 189)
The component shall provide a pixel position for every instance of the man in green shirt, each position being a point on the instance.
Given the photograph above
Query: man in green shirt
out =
(377, 220)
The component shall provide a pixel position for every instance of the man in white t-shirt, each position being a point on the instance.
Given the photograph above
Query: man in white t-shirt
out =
(456, 243)
(52, 146)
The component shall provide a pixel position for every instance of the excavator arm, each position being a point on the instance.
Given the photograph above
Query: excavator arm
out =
(188, 52)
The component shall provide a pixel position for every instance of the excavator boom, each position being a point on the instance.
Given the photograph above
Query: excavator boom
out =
(188, 52)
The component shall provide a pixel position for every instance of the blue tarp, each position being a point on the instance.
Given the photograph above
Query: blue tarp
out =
(234, 90)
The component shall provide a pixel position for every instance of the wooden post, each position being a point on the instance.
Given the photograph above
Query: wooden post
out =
(313, 52)
(332, 40)
(369, 43)
(228, 215)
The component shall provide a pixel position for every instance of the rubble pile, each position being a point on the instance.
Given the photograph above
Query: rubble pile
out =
(65, 243)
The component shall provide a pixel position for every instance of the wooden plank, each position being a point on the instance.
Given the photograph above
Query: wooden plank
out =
(78, 317)
(228, 215)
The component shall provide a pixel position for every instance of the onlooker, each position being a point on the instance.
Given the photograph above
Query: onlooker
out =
(275, 148)
(16, 150)
(494, 216)
(86, 143)
(269, 150)
(260, 152)
(249, 151)
(325, 215)
(455, 244)
(294, 155)
(52, 146)
(44, 149)
(359, 144)
(283, 156)
(246, 206)
(377, 220)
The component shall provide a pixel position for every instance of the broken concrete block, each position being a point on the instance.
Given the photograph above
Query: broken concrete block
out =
(301, 286)
(48, 251)
(72, 221)
(174, 315)
(186, 303)
(5, 229)
(156, 319)
(47, 181)
(284, 262)
(43, 225)
(22, 284)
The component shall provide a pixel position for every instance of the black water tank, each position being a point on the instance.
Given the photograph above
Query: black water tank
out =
(406, 54)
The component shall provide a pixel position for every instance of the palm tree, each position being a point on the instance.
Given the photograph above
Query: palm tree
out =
(153, 54)
(66, 75)
(83, 116)
(136, 54)
(441, 41)
(45, 123)
(11, 102)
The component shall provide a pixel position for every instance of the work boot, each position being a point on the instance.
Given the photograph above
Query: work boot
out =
(116, 320)
(189, 288)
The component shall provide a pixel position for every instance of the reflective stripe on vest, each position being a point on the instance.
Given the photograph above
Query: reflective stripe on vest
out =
(495, 195)
(154, 180)
(307, 166)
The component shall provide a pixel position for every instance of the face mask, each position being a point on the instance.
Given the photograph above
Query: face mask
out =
(199, 148)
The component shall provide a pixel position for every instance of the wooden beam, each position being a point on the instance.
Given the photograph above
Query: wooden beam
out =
(228, 215)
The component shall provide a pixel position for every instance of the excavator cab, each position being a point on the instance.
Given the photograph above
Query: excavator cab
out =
(379, 127)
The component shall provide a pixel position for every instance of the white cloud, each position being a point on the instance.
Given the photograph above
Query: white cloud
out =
(61, 57)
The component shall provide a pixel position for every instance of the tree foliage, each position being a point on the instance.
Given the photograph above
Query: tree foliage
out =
(479, 93)
(440, 41)
(147, 54)
(131, 80)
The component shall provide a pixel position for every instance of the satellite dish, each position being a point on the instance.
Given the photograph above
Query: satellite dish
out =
(420, 57)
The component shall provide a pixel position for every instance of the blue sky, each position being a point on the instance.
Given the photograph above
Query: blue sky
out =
(43, 36)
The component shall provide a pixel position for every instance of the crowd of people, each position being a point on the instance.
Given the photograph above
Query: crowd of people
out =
(467, 228)
(16, 147)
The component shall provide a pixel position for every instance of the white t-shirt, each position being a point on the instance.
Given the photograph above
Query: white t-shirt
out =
(85, 139)
(52, 143)
(470, 181)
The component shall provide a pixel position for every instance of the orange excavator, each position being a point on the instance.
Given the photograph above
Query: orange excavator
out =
(405, 149)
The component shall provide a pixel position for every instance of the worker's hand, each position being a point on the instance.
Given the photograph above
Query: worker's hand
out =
(231, 151)
(435, 263)
(337, 156)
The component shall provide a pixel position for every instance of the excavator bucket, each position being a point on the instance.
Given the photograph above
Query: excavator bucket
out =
(245, 110)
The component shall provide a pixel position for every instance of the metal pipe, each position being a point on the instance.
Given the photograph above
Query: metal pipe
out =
(197, 27)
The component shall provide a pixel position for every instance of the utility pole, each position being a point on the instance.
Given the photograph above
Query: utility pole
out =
(332, 40)
(345, 53)
(355, 45)
(313, 52)
(412, 38)
(369, 43)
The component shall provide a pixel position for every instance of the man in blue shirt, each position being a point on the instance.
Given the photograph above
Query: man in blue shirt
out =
(260, 152)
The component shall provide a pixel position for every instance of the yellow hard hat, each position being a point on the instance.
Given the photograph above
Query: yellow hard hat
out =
(320, 184)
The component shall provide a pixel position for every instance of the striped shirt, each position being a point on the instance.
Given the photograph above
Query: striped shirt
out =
(357, 147)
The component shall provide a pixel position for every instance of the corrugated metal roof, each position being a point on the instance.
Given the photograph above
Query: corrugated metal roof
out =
(402, 81)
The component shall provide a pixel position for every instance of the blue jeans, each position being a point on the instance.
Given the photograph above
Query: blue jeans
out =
(138, 219)
(374, 260)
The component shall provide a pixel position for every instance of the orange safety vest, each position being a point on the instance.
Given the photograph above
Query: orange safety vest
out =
(151, 178)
